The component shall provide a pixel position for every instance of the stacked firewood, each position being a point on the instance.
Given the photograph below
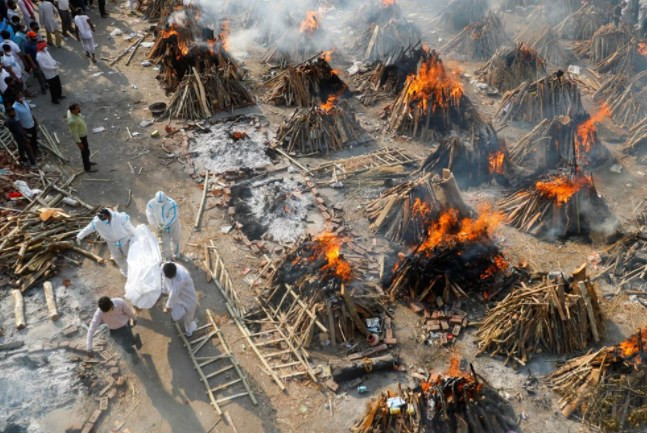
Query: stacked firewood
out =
(452, 402)
(582, 23)
(508, 68)
(559, 206)
(626, 97)
(296, 45)
(625, 60)
(305, 84)
(320, 129)
(637, 140)
(403, 213)
(553, 95)
(478, 40)
(202, 94)
(157, 9)
(607, 40)
(553, 315)
(606, 388)
(32, 240)
(382, 41)
(546, 44)
(458, 14)
(625, 262)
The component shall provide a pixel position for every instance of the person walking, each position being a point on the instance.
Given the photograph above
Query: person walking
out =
(119, 318)
(24, 149)
(79, 130)
(163, 216)
(102, 8)
(84, 31)
(31, 51)
(27, 8)
(47, 17)
(49, 66)
(66, 17)
(182, 301)
(27, 121)
(116, 229)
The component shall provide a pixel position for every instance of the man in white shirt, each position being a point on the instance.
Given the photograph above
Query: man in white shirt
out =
(182, 301)
(48, 14)
(49, 66)
(119, 318)
(66, 17)
(9, 62)
(84, 33)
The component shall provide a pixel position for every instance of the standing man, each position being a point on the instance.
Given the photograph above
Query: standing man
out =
(79, 130)
(66, 17)
(31, 51)
(49, 66)
(163, 216)
(10, 63)
(84, 30)
(114, 228)
(120, 319)
(47, 16)
(27, 121)
(102, 8)
(182, 301)
(24, 149)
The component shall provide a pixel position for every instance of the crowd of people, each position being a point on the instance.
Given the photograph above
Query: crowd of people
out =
(25, 59)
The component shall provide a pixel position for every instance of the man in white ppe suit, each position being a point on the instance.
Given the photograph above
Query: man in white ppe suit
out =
(182, 301)
(116, 229)
(163, 215)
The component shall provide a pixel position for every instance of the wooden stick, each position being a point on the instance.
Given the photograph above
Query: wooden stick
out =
(135, 49)
(19, 309)
(205, 189)
(51, 300)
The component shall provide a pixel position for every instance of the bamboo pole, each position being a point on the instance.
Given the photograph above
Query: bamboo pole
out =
(19, 309)
(51, 300)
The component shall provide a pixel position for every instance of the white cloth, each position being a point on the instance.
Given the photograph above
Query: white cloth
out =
(47, 14)
(15, 51)
(182, 298)
(163, 214)
(10, 14)
(88, 45)
(144, 285)
(4, 74)
(47, 64)
(117, 229)
(64, 5)
(81, 23)
(9, 61)
(116, 318)
(25, 12)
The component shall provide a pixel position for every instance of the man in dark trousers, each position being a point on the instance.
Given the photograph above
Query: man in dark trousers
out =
(79, 130)
(27, 121)
(24, 149)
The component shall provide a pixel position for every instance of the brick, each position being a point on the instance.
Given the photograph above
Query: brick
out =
(433, 326)
(111, 363)
(331, 385)
(320, 200)
(315, 191)
(231, 211)
(465, 322)
(120, 381)
(88, 427)
(70, 330)
(455, 320)
(105, 355)
(444, 325)
(106, 388)
(114, 371)
(112, 393)
(95, 416)
(322, 208)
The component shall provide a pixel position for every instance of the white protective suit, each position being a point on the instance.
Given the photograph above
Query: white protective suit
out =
(182, 299)
(117, 233)
(163, 216)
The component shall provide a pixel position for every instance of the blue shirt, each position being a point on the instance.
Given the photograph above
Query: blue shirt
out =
(20, 39)
(23, 114)
(30, 49)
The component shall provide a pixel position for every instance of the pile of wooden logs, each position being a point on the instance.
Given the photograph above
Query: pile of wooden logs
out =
(552, 95)
(303, 85)
(381, 41)
(403, 213)
(202, 94)
(582, 23)
(546, 43)
(555, 314)
(559, 206)
(607, 40)
(34, 238)
(625, 60)
(626, 97)
(160, 9)
(458, 14)
(510, 67)
(606, 388)
(625, 262)
(637, 140)
(294, 47)
(320, 129)
(453, 402)
(474, 160)
(478, 40)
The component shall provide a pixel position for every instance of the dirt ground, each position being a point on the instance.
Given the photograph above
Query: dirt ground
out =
(164, 393)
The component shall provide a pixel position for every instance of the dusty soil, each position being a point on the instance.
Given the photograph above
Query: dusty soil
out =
(164, 393)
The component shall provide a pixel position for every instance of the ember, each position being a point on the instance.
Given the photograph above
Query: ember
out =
(496, 161)
(329, 245)
(387, 3)
(586, 132)
(642, 48)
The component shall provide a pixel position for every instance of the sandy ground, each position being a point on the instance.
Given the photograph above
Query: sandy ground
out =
(165, 394)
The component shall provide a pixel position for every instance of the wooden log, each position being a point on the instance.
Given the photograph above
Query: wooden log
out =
(51, 300)
(349, 370)
(198, 218)
(19, 309)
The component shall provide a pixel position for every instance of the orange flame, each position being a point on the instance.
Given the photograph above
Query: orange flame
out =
(434, 86)
(310, 23)
(642, 48)
(495, 161)
(330, 245)
(420, 209)
(449, 231)
(630, 346)
(327, 55)
(182, 45)
(499, 264)
(387, 3)
(329, 104)
(561, 189)
(586, 131)
(224, 34)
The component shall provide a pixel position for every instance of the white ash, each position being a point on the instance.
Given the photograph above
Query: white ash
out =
(284, 205)
(218, 152)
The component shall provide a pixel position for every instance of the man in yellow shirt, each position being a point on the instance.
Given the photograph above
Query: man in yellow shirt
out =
(79, 130)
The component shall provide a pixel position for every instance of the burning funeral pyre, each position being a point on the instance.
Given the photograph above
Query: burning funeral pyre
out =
(562, 142)
(316, 274)
(606, 388)
(298, 45)
(387, 31)
(625, 262)
(458, 14)
(311, 82)
(478, 40)
(582, 23)
(626, 97)
(555, 314)
(454, 402)
(161, 9)
(561, 205)
(546, 44)
(403, 213)
(629, 59)
(550, 96)
(457, 258)
(508, 68)
(321, 129)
